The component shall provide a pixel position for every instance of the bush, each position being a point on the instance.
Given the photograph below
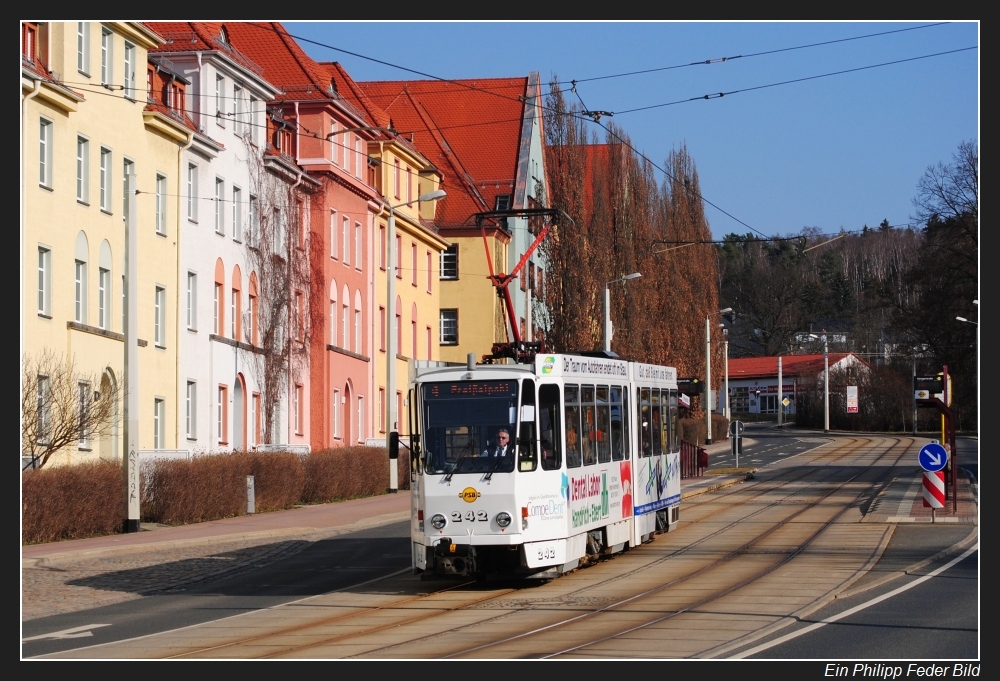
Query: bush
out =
(72, 502)
(695, 431)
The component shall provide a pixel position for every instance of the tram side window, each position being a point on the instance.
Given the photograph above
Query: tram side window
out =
(657, 431)
(550, 426)
(625, 420)
(675, 425)
(527, 460)
(645, 425)
(603, 432)
(589, 431)
(571, 397)
(618, 420)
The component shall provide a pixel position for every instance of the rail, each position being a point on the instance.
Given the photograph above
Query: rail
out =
(694, 460)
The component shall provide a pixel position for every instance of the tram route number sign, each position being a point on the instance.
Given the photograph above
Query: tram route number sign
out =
(932, 457)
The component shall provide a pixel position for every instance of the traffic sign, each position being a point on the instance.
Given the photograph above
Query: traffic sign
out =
(934, 495)
(932, 457)
(736, 428)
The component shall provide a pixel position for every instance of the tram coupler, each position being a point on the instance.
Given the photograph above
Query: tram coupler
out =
(454, 559)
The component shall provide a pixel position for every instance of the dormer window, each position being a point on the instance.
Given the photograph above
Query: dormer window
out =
(29, 42)
(224, 37)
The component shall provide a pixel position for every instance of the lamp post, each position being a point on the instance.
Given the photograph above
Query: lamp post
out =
(607, 307)
(708, 372)
(826, 385)
(391, 417)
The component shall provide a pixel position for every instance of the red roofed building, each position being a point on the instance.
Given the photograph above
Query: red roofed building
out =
(485, 137)
(753, 381)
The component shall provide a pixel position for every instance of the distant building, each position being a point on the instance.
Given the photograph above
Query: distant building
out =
(753, 381)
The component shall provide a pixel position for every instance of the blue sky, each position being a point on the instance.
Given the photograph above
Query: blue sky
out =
(830, 151)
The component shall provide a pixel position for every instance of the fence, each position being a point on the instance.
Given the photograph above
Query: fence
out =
(694, 460)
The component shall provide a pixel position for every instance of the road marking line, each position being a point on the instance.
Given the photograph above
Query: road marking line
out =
(855, 609)
(75, 632)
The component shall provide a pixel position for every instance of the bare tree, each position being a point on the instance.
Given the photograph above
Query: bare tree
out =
(276, 250)
(61, 407)
(950, 190)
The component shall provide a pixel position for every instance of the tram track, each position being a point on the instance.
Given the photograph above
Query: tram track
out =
(843, 452)
(589, 610)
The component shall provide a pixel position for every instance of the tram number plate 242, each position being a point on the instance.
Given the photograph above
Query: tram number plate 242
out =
(541, 553)
(470, 516)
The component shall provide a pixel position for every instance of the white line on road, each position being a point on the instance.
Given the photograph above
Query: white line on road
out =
(857, 608)
(75, 632)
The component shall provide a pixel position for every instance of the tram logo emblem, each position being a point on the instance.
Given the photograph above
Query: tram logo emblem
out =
(548, 364)
(469, 494)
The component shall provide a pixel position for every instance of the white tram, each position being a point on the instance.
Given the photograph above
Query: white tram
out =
(594, 468)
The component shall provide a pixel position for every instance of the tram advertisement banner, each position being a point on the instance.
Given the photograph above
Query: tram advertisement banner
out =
(600, 495)
(657, 483)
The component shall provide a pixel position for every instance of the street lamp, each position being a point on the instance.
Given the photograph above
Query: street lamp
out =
(826, 381)
(392, 435)
(607, 307)
(708, 372)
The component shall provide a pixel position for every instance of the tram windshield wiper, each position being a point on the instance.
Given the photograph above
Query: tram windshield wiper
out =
(499, 460)
(466, 450)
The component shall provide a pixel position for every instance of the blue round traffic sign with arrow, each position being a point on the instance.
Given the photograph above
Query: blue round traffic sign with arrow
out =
(932, 457)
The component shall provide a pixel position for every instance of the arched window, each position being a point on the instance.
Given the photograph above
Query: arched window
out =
(357, 323)
(252, 337)
(219, 300)
(236, 305)
(413, 331)
(345, 321)
(80, 262)
(104, 287)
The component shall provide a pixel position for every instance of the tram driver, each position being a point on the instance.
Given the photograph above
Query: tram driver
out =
(502, 446)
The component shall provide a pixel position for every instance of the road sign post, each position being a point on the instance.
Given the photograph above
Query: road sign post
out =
(933, 458)
(736, 435)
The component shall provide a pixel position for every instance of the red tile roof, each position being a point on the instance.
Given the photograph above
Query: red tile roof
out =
(470, 129)
(791, 365)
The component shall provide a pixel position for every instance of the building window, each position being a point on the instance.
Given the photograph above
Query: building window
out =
(335, 413)
(220, 197)
(159, 423)
(357, 325)
(409, 184)
(361, 418)
(346, 146)
(237, 214)
(44, 281)
(413, 264)
(254, 220)
(299, 408)
(399, 256)
(83, 47)
(105, 180)
(44, 409)
(358, 246)
(237, 109)
(449, 327)
(191, 410)
(83, 406)
(45, 153)
(413, 338)
(107, 57)
(251, 126)
(430, 340)
(217, 324)
(333, 142)
(449, 262)
(128, 168)
(381, 328)
(358, 162)
(161, 204)
(222, 409)
(130, 58)
(399, 330)
(220, 100)
(381, 410)
(345, 328)
(80, 291)
(160, 318)
(82, 170)
(345, 239)
(29, 39)
(381, 246)
(104, 299)
(300, 320)
(234, 307)
(192, 192)
(192, 301)
(395, 177)
(430, 272)
(333, 234)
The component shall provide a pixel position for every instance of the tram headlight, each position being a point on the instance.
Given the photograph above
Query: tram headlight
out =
(438, 521)
(503, 519)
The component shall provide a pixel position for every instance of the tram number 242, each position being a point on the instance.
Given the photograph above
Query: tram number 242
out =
(471, 516)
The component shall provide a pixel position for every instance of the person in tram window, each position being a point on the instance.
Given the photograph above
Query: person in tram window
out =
(502, 446)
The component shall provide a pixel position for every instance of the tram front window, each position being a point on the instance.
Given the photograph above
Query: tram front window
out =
(461, 423)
